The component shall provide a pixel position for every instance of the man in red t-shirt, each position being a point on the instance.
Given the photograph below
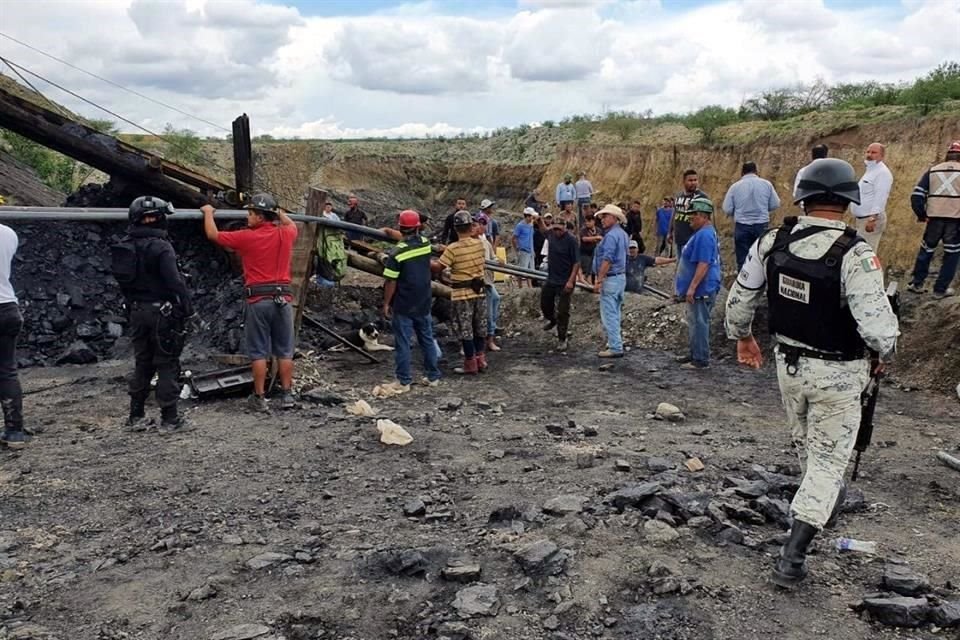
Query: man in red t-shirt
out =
(265, 248)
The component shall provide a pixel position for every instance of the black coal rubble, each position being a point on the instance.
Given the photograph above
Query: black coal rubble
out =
(908, 601)
(73, 308)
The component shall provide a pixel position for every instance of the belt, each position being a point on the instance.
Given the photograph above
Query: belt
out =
(268, 290)
(141, 304)
(792, 355)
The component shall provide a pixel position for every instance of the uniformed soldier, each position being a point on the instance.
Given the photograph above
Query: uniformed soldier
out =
(824, 286)
(145, 266)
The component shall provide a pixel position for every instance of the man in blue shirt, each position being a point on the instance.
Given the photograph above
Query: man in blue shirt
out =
(522, 241)
(407, 299)
(566, 192)
(610, 266)
(664, 218)
(698, 281)
(749, 201)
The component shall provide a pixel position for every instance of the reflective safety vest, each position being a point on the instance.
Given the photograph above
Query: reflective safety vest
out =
(805, 297)
(943, 198)
(405, 251)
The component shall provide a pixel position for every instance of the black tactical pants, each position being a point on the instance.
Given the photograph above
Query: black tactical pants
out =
(154, 352)
(11, 395)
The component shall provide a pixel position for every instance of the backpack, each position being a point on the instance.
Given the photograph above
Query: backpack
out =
(331, 256)
(124, 260)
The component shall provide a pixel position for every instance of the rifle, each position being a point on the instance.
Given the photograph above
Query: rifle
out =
(868, 398)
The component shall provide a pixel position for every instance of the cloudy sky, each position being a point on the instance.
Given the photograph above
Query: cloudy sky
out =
(347, 68)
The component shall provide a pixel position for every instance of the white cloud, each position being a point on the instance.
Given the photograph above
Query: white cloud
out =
(418, 68)
(330, 128)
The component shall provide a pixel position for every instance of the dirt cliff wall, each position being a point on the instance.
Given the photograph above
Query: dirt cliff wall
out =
(648, 173)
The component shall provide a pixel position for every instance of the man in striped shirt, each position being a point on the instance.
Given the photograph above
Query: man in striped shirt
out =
(465, 259)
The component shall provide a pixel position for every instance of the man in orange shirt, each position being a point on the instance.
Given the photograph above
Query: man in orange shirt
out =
(265, 248)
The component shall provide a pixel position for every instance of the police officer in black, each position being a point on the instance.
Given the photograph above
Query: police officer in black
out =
(145, 266)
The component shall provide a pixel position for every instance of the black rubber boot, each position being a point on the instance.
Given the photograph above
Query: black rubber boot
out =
(791, 567)
(170, 420)
(837, 506)
(136, 421)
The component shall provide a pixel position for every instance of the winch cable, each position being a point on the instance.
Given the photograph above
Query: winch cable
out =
(115, 84)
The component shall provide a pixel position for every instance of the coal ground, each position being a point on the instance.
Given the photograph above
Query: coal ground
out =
(110, 535)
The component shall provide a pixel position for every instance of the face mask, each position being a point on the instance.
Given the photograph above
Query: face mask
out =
(870, 163)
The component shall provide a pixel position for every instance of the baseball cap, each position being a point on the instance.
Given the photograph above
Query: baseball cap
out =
(530, 211)
(634, 245)
(486, 204)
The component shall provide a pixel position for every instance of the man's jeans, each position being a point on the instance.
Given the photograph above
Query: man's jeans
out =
(524, 259)
(698, 326)
(403, 329)
(939, 229)
(744, 235)
(11, 395)
(611, 299)
(493, 309)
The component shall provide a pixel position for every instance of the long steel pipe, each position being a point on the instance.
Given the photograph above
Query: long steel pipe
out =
(104, 214)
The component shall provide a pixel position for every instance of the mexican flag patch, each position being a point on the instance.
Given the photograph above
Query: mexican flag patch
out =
(871, 264)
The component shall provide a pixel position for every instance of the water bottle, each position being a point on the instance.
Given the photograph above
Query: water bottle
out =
(850, 544)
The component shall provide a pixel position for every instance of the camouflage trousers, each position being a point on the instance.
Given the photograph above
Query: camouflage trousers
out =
(822, 400)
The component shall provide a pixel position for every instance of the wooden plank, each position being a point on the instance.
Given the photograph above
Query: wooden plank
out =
(301, 267)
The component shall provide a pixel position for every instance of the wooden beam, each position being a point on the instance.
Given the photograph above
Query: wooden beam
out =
(301, 267)
(106, 153)
(373, 267)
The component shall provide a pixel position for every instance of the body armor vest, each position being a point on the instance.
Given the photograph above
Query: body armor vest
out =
(804, 294)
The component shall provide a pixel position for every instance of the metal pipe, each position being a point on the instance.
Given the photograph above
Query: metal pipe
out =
(94, 214)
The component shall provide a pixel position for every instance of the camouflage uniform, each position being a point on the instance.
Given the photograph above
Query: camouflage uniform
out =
(822, 397)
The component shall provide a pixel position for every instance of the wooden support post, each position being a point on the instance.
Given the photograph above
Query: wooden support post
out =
(301, 267)
(242, 155)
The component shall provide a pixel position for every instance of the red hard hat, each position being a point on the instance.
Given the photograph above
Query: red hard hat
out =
(409, 219)
(954, 147)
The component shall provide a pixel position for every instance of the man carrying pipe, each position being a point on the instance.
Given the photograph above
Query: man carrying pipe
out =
(407, 300)
(265, 249)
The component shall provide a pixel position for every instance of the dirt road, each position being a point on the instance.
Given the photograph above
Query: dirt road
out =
(294, 526)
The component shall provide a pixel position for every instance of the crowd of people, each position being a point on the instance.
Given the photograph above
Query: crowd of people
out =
(830, 316)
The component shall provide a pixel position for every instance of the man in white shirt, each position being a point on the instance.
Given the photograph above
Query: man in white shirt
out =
(875, 185)
(11, 395)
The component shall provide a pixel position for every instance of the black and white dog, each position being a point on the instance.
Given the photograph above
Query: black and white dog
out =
(366, 337)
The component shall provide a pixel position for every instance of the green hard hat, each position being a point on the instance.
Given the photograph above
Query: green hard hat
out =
(701, 204)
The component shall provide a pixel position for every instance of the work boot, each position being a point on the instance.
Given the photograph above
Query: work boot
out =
(287, 400)
(492, 344)
(607, 353)
(427, 382)
(482, 362)
(562, 345)
(837, 506)
(549, 325)
(257, 404)
(137, 420)
(916, 288)
(469, 367)
(940, 295)
(791, 566)
(13, 438)
(172, 422)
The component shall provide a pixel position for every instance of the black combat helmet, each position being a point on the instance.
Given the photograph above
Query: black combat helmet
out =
(149, 206)
(828, 177)
(263, 202)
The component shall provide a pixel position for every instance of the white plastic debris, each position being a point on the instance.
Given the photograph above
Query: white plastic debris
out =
(392, 433)
(360, 408)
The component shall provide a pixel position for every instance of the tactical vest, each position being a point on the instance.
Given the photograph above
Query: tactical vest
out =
(804, 295)
(943, 199)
